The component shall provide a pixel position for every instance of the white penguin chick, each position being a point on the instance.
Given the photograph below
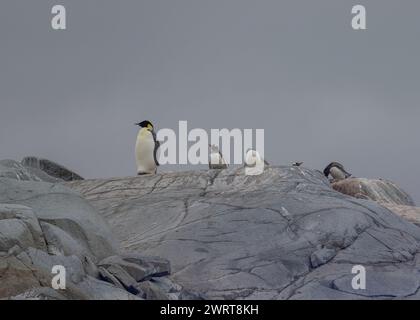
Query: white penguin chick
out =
(146, 149)
(254, 159)
(216, 160)
(254, 163)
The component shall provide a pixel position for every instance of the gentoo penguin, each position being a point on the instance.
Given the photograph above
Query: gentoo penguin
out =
(337, 171)
(146, 148)
(254, 159)
(216, 160)
(297, 163)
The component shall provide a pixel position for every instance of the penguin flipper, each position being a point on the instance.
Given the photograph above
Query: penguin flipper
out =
(157, 145)
(222, 161)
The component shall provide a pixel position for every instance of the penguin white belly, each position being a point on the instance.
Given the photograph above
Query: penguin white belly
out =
(217, 162)
(215, 158)
(337, 174)
(253, 159)
(250, 159)
(254, 163)
(145, 147)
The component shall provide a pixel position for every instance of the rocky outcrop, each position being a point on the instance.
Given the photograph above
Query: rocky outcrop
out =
(384, 192)
(51, 168)
(409, 213)
(44, 224)
(378, 190)
(285, 234)
(15, 170)
(35, 169)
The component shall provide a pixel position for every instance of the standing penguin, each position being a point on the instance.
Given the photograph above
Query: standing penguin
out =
(216, 160)
(146, 149)
(337, 171)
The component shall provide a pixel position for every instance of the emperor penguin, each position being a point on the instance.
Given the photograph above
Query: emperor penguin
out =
(216, 160)
(254, 159)
(146, 149)
(337, 171)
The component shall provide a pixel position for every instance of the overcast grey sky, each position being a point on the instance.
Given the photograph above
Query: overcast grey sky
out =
(295, 68)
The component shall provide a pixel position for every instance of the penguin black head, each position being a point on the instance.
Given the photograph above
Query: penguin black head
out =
(328, 168)
(336, 165)
(145, 124)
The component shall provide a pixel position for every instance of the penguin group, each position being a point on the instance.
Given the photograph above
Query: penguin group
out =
(147, 147)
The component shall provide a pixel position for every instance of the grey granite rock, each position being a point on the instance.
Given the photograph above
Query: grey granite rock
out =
(19, 226)
(285, 234)
(109, 277)
(15, 170)
(41, 260)
(321, 256)
(96, 289)
(35, 169)
(127, 281)
(378, 190)
(51, 168)
(91, 269)
(16, 277)
(45, 224)
(154, 266)
(60, 207)
(150, 291)
(409, 213)
(62, 243)
(384, 192)
(40, 293)
(232, 236)
(137, 272)
(157, 288)
(393, 284)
